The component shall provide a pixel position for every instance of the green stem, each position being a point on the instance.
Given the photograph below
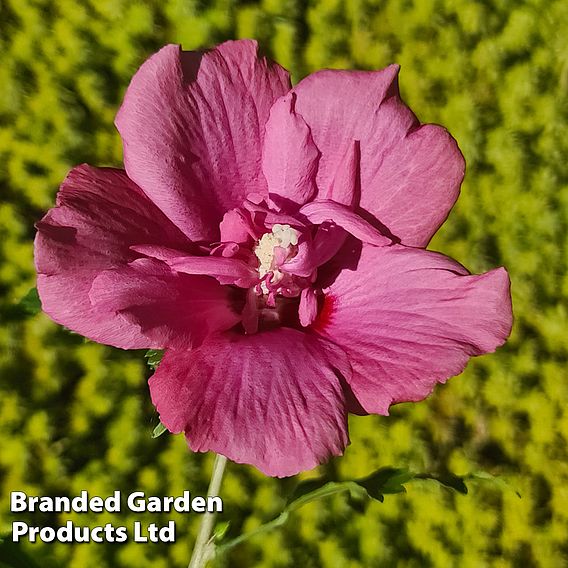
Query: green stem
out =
(266, 527)
(330, 489)
(204, 548)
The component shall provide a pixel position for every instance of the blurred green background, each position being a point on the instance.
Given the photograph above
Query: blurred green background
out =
(77, 415)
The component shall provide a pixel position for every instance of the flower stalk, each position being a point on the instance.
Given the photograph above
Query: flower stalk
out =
(204, 548)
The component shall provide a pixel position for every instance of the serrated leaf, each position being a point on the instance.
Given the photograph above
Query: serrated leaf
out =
(159, 430)
(153, 358)
(30, 303)
(385, 481)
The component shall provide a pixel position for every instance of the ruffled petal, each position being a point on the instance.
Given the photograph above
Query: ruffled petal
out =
(100, 214)
(192, 126)
(416, 185)
(245, 397)
(223, 268)
(329, 211)
(290, 157)
(409, 318)
(173, 310)
(409, 175)
(328, 240)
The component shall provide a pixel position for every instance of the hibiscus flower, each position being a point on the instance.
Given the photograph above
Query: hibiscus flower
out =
(272, 240)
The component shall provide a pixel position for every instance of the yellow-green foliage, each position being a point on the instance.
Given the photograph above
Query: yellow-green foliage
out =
(77, 416)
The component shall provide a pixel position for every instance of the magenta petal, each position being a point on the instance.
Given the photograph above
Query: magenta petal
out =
(304, 262)
(173, 310)
(99, 215)
(327, 241)
(235, 227)
(328, 211)
(416, 185)
(225, 269)
(290, 157)
(409, 318)
(343, 106)
(308, 306)
(409, 176)
(192, 125)
(344, 186)
(159, 253)
(246, 398)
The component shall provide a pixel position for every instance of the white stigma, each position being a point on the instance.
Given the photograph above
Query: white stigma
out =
(282, 236)
(285, 234)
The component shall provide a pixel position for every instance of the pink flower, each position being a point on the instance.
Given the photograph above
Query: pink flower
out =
(272, 240)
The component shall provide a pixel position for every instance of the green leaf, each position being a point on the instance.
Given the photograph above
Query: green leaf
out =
(12, 556)
(386, 480)
(30, 303)
(495, 479)
(153, 358)
(451, 480)
(221, 530)
(305, 487)
(280, 520)
(159, 430)
(454, 482)
(320, 491)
